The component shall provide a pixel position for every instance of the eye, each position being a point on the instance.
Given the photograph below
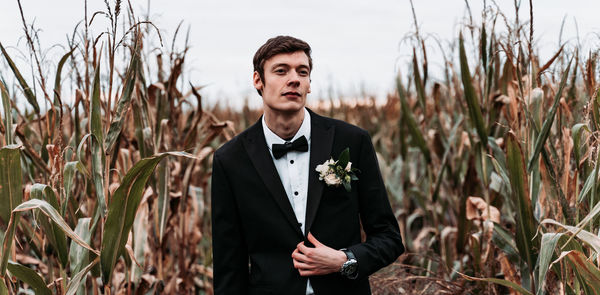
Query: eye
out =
(279, 71)
(303, 72)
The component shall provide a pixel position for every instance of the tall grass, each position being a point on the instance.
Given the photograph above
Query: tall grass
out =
(492, 170)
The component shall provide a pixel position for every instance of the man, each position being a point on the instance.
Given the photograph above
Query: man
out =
(277, 227)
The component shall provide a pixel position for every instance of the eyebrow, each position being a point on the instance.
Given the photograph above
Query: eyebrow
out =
(288, 66)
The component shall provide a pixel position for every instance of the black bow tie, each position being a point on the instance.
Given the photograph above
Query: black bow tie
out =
(300, 145)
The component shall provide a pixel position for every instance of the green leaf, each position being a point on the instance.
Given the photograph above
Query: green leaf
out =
(79, 256)
(7, 114)
(26, 89)
(78, 279)
(505, 283)
(61, 63)
(587, 273)
(549, 241)
(68, 178)
(49, 211)
(122, 210)
(505, 241)
(98, 156)
(470, 96)
(545, 132)
(11, 191)
(587, 237)
(418, 82)
(344, 158)
(526, 224)
(413, 128)
(576, 134)
(3, 289)
(53, 232)
(163, 198)
(30, 277)
(124, 102)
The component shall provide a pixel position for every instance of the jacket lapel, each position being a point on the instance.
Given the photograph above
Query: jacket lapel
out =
(256, 146)
(320, 151)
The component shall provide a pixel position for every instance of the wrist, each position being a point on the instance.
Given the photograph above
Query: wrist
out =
(350, 268)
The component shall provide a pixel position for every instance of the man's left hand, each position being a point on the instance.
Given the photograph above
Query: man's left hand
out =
(320, 260)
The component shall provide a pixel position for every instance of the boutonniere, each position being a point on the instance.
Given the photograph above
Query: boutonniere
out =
(340, 172)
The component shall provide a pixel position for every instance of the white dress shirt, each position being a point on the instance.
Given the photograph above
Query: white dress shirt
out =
(293, 171)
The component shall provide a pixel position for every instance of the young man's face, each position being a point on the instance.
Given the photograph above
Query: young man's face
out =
(286, 82)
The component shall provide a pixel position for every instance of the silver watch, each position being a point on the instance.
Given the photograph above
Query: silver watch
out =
(350, 267)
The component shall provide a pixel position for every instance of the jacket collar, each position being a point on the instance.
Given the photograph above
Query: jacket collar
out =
(322, 133)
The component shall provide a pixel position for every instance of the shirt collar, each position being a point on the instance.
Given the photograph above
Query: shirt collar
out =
(272, 138)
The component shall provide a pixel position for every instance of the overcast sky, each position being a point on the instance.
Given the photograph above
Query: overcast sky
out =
(356, 43)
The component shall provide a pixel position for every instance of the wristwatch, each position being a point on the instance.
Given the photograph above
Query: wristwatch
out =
(350, 267)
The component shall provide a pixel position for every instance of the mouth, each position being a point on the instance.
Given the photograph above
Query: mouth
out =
(291, 94)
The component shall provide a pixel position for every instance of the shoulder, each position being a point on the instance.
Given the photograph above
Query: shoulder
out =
(235, 145)
(342, 128)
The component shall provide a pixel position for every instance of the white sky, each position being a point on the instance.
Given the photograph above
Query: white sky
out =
(356, 44)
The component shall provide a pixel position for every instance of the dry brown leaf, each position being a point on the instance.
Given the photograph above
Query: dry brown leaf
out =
(477, 209)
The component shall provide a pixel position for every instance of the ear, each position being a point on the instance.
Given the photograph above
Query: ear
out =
(258, 83)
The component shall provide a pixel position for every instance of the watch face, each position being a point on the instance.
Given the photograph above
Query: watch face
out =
(349, 267)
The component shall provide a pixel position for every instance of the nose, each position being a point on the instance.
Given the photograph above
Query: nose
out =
(294, 79)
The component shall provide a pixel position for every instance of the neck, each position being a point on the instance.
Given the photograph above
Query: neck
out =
(285, 125)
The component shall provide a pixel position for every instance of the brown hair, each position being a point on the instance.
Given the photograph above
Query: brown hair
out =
(277, 45)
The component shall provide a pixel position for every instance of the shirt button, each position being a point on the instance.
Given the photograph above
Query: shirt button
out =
(300, 224)
(291, 161)
(295, 193)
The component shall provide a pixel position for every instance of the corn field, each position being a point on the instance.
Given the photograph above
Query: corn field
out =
(492, 170)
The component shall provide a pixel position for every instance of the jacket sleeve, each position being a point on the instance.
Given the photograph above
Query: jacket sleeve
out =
(383, 242)
(230, 257)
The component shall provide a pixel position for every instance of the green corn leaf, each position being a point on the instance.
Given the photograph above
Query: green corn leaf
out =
(69, 174)
(140, 242)
(587, 186)
(79, 256)
(505, 241)
(98, 156)
(79, 279)
(7, 114)
(418, 82)
(124, 102)
(526, 224)
(122, 210)
(163, 198)
(409, 119)
(576, 133)
(55, 235)
(470, 96)
(585, 236)
(3, 288)
(26, 89)
(30, 277)
(587, 273)
(59, 68)
(545, 132)
(50, 212)
(549, 243)
(11, 192)
(502, 282)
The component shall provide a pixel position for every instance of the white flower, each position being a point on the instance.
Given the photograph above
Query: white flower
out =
(349, 166)
(324, 168)
(332, 179)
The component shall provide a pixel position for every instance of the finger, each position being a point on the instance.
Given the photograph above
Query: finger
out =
(313, 240)
(303, 249)
(300, 257)
(302, 266)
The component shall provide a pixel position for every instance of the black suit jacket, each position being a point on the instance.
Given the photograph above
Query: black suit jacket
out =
(255, 230)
